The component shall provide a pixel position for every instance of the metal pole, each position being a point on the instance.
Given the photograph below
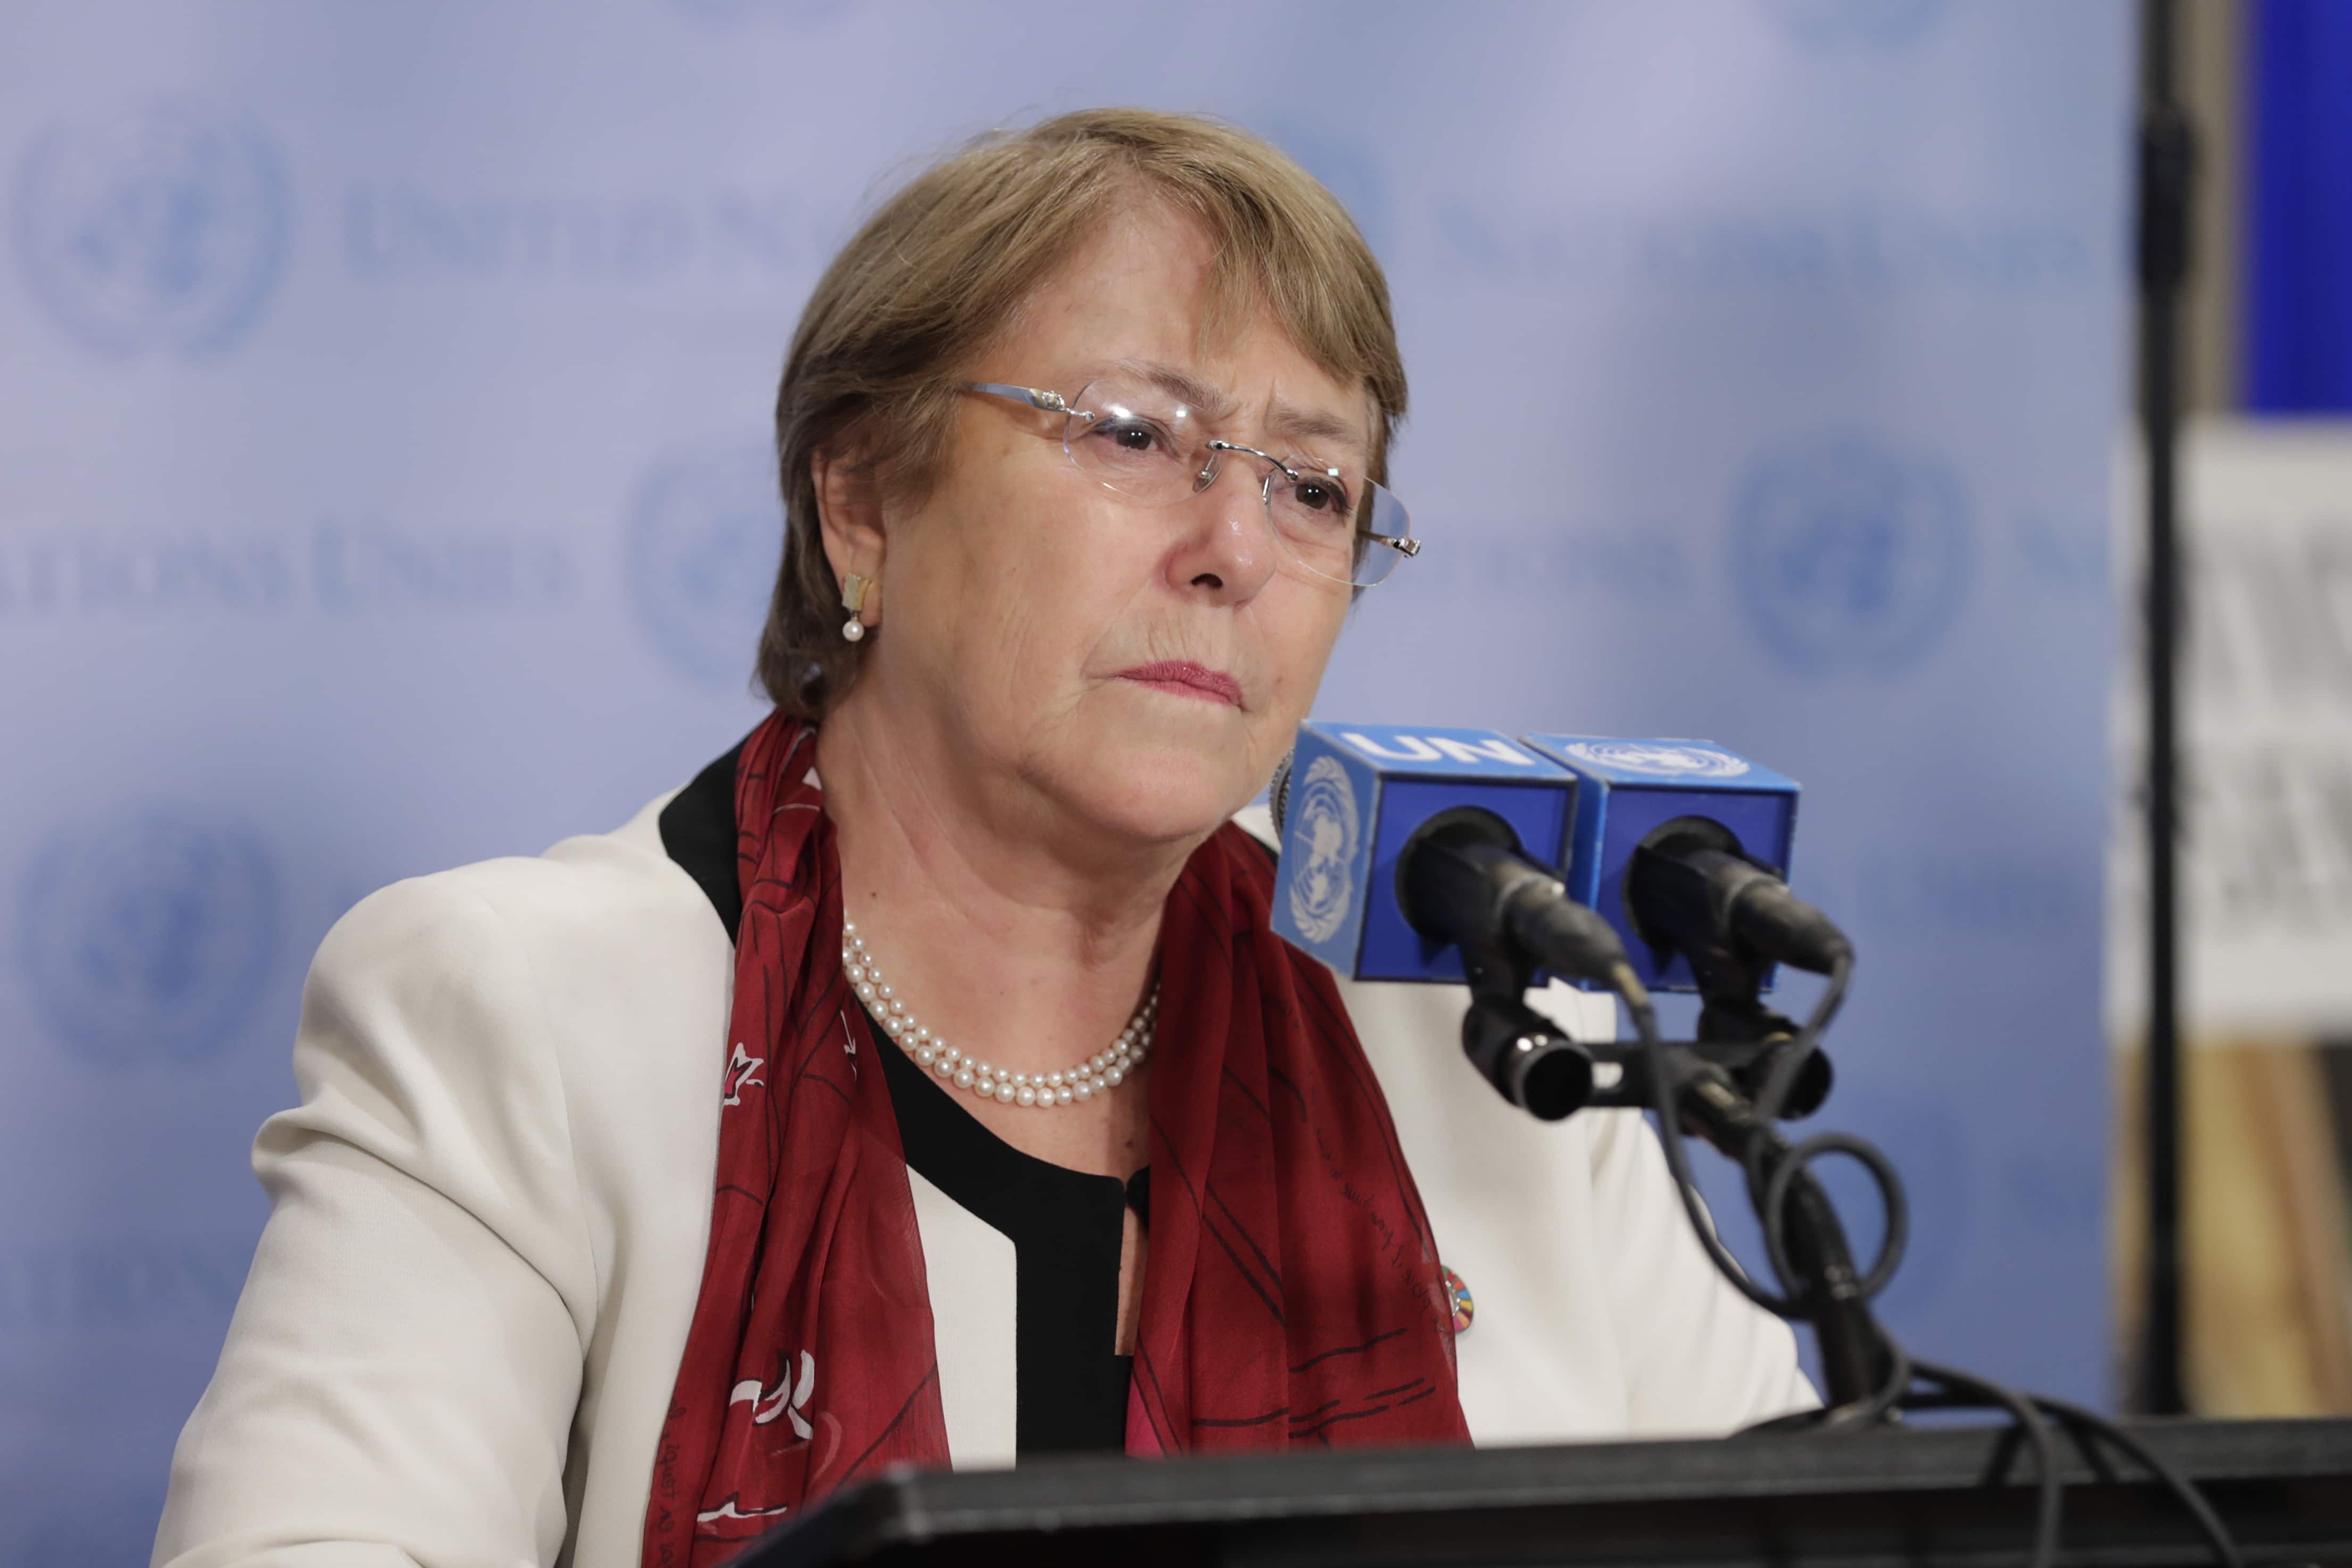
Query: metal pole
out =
(2165, 153)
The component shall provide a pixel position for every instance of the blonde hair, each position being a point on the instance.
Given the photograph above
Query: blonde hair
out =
(934, 276)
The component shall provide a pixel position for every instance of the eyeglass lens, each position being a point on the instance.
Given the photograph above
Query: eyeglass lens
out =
(1145, 443)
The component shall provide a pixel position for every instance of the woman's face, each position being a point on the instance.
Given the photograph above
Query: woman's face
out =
(1141, 666)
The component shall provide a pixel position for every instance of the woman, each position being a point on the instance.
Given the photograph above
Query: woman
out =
(923, 1083)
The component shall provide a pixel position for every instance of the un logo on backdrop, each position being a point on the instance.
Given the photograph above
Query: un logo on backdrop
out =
(163, 229)
(1848, 555)
(150, 940)
(706, 533)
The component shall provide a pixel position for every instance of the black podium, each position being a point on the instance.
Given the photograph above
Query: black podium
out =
(1909, 1497)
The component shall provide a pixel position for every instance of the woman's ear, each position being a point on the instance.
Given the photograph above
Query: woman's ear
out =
(849, 518)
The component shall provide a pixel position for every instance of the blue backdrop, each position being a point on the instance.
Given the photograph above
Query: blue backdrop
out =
(382, 400)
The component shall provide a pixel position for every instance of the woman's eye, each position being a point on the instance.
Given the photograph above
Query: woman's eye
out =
(1135, 437)
(1318, 496)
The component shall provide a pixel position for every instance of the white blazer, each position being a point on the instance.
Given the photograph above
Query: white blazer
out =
(488, 1213)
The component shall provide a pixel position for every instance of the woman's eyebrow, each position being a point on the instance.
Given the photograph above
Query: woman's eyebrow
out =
(1212, 402)
(1309, 426)
(1289, 421)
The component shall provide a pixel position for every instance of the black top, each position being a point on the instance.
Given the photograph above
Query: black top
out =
(698, 829)
(1066, 1228)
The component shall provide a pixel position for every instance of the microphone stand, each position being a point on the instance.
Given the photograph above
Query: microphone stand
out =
(1816, 1263)
(1748, 1068)
(1534, 1064)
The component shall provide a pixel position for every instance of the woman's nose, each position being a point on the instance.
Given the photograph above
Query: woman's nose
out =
(1228, 548)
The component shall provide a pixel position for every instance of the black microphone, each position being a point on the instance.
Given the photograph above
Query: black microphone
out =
(1691, 889)
(1462, 879)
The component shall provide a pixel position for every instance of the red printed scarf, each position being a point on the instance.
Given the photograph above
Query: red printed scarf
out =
(1293, 1294)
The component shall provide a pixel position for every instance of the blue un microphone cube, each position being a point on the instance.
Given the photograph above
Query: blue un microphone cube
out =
(1356, 794)
(1627, 789)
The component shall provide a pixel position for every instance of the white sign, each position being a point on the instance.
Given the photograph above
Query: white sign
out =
(2266, 749)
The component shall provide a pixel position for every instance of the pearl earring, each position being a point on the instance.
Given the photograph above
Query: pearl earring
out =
(853, 598)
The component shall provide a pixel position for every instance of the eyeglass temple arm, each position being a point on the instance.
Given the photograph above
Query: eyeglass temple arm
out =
(1035, 397)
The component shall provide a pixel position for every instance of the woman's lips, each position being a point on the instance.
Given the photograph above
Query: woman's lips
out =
(1182, 678)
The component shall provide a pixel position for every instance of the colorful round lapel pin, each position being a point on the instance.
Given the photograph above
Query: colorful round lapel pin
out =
(1457, 1296)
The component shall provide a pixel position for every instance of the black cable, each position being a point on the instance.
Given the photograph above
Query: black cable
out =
(1966, 1391)
(1902, 1370)
(2208, 1523)
(1958, 1389)
(1783, 1078)
(1660, 1068)
(1980, 1392)
(1846, 1417)
(1772, 1202)
(1899, 1374)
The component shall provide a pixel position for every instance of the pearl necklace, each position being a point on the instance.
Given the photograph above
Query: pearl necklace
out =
(1098, 1074)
